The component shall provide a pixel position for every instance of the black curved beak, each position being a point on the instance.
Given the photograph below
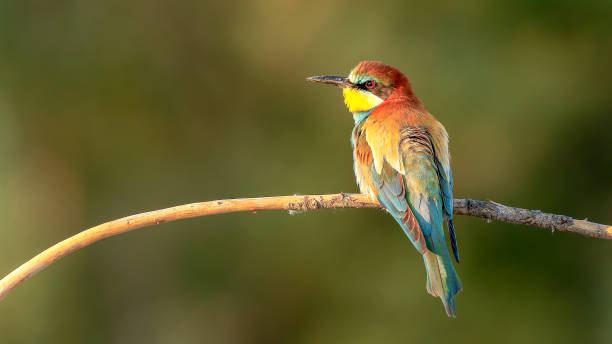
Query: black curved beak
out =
(338, 81)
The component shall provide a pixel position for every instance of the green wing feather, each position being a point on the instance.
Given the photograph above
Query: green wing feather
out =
(446, 186)
(416, 200)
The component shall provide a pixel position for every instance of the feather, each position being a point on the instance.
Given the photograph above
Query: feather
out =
(418, 199)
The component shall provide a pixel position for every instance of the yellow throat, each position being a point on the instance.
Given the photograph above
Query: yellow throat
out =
(357, 100)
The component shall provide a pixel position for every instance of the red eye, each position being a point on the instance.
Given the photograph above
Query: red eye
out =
(370, 84)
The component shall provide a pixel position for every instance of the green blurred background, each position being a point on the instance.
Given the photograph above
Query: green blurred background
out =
(111, 108)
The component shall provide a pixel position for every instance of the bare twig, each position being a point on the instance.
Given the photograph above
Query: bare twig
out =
(487, 210)
(494, 211)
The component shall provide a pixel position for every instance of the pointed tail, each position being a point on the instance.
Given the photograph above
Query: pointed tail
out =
(442, 279)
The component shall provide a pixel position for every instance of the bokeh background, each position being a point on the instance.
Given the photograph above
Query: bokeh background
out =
(109, 108)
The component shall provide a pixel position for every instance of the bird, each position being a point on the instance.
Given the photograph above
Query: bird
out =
(401, 159)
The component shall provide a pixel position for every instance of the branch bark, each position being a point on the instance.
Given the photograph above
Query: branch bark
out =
(487, 210)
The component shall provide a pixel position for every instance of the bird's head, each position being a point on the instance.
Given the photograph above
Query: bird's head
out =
(369, 84)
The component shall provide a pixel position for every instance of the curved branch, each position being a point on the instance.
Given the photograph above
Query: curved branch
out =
(488, 210)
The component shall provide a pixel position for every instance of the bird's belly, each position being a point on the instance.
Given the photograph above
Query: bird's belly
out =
(362, 156)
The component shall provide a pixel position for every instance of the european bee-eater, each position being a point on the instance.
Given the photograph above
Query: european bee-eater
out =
(401, 158)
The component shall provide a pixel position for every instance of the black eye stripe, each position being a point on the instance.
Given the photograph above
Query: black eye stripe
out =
(380, 90)
(364, 87)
